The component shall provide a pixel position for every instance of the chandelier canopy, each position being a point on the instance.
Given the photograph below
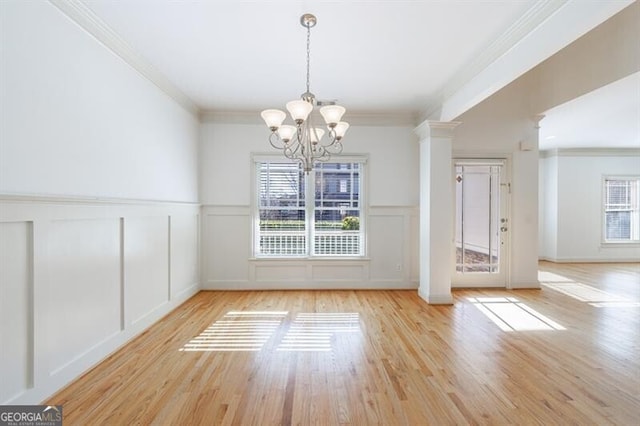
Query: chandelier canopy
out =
(304, 142)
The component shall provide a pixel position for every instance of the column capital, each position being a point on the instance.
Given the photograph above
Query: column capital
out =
(439, 129)
(537, 119)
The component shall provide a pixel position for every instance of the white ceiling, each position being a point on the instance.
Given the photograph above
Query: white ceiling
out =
(250, 55)
(377, 56)
(607, 117)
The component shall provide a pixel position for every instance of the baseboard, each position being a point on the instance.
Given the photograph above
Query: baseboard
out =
(436, 299)
(587, 260)
(246, 285)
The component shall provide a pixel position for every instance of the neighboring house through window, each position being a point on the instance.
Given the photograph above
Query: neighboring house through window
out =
(319, 214)
(621, 210)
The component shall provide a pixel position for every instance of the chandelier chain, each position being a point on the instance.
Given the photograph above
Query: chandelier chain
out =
(308, 53)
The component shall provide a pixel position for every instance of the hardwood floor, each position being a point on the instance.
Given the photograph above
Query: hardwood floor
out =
(566, 354)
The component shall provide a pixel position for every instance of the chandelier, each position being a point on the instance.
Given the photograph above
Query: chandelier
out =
(304, 142)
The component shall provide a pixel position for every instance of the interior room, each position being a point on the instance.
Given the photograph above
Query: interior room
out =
(461, 246)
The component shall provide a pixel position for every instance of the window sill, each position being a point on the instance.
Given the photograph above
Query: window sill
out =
(311, 259)
(620, 244)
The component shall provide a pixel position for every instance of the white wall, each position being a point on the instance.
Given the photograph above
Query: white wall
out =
(77, 120)
(576, 177)
(86, 261)
(391, 190)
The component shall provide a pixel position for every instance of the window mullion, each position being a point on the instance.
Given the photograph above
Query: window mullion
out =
(310, 209)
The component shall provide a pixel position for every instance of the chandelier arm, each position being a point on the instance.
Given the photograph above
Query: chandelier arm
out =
(290, 151)
(276, 142)
(332, 138)
(338, 144)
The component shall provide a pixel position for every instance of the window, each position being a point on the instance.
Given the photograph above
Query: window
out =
(621, 210)
(319, 214)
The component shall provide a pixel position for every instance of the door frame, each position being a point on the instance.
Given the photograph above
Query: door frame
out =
(506, 159)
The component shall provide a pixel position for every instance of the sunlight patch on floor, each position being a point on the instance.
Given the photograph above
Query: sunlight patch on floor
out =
(584, 293)
(509, 314)
(314, 331)
(237, 331)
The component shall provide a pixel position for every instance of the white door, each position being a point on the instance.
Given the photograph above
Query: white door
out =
(481, 223)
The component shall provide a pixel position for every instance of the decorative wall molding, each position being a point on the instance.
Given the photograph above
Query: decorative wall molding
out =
(81, 14)
(435, 129)
(228, 263)
(591, 152)
(520, 49)
(355, 118)
(71, 199)
(119, 264)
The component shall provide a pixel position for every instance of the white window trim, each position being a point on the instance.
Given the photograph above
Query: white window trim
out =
(603, 199)
(362, 159)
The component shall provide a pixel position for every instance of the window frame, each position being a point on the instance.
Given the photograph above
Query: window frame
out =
(310, 206)
(635, 240)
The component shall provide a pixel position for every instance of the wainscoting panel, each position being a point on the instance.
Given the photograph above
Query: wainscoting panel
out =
(146, 266)
(390, 263)
(84, 265)
(81, 277)
(226, 246)
(386, 247)
(279, 272)
(16, 309)
(339, 272)
(185, 229)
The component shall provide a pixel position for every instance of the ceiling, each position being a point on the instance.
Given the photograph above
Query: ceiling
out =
(369, 55)
(385, 57)
(606, 117)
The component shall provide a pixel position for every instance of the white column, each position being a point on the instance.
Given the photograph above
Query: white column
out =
(436, 211)
(524, 209)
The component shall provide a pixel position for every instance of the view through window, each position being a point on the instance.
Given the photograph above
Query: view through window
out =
(319, 214)
(621, 210)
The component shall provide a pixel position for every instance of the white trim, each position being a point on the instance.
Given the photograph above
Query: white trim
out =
(82, 15)
(603, 228)
(523, 46)
(73, 199)
(436, 299)
(590, 152)
(588, 260)
(257, 157)
(528, 22)
(390, 119)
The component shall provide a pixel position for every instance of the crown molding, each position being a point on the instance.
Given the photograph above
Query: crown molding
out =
(531, 19)
(591, 152)
(82, 15)
(567, 20)
(354, 118)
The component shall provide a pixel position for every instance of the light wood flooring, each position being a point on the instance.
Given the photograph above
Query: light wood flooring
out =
(566, 354)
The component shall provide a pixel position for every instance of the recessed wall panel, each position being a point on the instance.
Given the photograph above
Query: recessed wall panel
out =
(184, 252)
(281, 273)
(227, 248)
(146, 265)
(337, 273)
(16, 331)
(386, 241)
(82, 288)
